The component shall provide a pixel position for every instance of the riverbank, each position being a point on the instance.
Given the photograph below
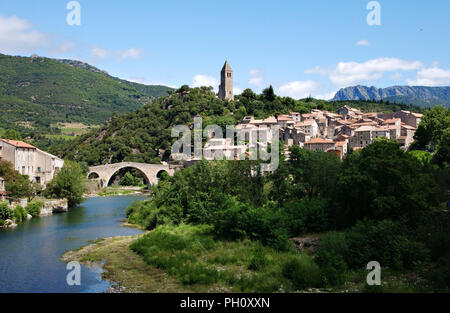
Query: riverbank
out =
(32, 251)
(181, 261)
(117, 191)
(126, 270)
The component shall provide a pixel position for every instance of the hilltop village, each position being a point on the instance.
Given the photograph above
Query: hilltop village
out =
(320, 130)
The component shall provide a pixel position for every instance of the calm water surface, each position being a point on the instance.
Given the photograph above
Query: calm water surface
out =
(30, 254)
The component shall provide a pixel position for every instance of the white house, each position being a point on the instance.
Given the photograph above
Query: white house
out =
(309, 127)
(40, 166)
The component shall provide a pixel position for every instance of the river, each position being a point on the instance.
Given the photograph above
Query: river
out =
(30, 254)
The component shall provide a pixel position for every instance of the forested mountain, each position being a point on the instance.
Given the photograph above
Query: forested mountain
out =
(145, 135)
(39, 91)
(417, 95)
(153, 91)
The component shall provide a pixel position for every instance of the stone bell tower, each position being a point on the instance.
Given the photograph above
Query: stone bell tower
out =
(226, 83)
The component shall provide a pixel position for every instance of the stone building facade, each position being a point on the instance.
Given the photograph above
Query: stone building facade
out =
(40, 166)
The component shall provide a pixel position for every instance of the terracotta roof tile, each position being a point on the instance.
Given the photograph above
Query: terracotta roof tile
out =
(319, 140)
(18, 144)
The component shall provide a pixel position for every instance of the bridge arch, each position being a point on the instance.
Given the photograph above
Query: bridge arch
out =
(149, 171)
(93, 175)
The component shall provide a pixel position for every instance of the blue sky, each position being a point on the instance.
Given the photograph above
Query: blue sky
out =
(300, 47)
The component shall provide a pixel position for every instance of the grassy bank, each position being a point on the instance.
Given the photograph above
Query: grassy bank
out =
(119, 191)
(127, 269)
(186, 258)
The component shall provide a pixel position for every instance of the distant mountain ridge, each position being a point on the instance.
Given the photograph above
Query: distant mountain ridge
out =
(416, 95)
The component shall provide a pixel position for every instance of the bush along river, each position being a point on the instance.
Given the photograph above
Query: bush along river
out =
(30, 254)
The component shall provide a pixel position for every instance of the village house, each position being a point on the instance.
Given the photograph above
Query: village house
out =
(381, 132)
(285, 120)
(407, 117)
(349, 113)
(40, 166)
(297, 117)
(341, 148)
(362, 138)
(319, 144)
(406, 137)
(219, 148)
(309, 127)
(327, 145)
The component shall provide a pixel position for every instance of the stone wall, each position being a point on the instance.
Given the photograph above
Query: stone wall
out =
(93, 186)
(54, 206)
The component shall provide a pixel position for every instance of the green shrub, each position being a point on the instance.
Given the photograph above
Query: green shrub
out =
(306, 216)
(2, 223)
(383, 242)
(20, 214)
(260, 282)
(330, 257)
(34, 208)
(5, 212)
(258, 260)
(175, 250)
(303, 272)
(439, 273)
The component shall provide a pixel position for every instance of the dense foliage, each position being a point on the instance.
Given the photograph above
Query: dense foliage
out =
(68, 184)
(382, 200)
(17, 185)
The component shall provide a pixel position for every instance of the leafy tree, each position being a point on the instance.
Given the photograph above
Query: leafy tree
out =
(442, 155)
(12, 135)
(307, 174)
(69, 183)
(382, 181)
(20, 187)
(433, 124)
(269, 94)
(129, 180)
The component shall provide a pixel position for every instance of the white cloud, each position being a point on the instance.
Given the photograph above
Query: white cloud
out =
(204, 80)
(237, 91)
(256, 77)
(298, 89)
(326, 96)
(99, 53)
(397, 76)
(363, 43)
(18, 36)
(131, 53)
(141, 80)
(62, 48)
(432, 76)
(351, 73)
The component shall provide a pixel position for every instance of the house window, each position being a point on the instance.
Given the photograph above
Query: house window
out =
(38, 169)
(228, 74)
(23, 170)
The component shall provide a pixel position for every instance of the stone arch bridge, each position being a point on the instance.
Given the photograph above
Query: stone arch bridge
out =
(151, 172)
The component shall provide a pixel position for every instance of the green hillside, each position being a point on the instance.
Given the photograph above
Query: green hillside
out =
(40, 91)
(153, 91)
(145, 135)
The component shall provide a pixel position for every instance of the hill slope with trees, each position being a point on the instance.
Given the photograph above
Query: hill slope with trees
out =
(38, 91)
(145, 135)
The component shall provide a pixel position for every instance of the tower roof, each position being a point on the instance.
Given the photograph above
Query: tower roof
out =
(226, 66)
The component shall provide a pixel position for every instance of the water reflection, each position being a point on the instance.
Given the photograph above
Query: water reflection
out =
(29, 254)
